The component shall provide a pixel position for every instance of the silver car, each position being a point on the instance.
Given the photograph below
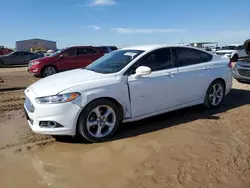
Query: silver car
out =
(18, 58)
(241, 71)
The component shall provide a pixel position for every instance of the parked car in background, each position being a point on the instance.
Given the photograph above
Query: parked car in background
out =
(108, 49)
(233, 52)
(5, 51)
(40, 52)
(65, 59)
(241, 71)
(18, 58)
(123, 86)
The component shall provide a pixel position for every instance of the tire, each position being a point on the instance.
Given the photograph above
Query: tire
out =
(215, 90)
(1, 64)
(93, 127)
(235, 58)
(48, 71)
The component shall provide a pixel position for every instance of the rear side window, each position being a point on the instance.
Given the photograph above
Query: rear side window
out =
(85, 51)
(188, 56)
(113, 48)
(205, 57)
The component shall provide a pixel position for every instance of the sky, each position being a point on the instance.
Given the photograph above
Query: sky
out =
(124, 22)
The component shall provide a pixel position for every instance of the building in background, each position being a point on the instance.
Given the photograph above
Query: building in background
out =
(35, 44)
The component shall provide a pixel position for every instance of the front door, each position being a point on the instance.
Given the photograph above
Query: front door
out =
(67, 60)
(17, 58)
(156, 91)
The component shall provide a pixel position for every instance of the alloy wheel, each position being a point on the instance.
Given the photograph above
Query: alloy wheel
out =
(48, 71)
(101, 121)
(216, 94)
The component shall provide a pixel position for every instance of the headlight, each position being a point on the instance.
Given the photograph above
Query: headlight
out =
(34, 63)
(62, 98)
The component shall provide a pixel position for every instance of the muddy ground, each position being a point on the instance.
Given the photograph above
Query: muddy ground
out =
(193, 147)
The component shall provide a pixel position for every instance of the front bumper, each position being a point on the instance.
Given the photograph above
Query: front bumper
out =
(238, 75)
(65, 114)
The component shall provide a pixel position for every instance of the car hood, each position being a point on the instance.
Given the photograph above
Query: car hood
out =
(225, 51)
(42, 58)
(57, 83)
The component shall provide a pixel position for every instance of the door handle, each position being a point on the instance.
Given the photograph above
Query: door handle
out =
(206, 68)
(170, 74)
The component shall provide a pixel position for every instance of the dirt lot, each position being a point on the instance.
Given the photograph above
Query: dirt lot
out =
(193, 147)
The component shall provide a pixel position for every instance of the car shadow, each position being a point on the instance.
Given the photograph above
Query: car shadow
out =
(236, 98)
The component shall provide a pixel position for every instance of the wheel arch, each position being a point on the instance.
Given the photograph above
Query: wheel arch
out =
(119, 106)
(221, 80)
(48, 65)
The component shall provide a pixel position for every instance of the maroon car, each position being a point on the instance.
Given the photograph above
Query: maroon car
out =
(65, 59)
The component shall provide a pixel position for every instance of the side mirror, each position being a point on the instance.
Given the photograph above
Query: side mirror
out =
(142, 70)
(60, 56)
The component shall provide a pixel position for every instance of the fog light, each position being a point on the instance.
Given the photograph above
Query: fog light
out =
(49, 124)
(34, 70)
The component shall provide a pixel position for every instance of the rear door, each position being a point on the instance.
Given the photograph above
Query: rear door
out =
(67, 59)
(193, 73)
(85, 56)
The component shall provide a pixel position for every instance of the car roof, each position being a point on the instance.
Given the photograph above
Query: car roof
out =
(157, 46)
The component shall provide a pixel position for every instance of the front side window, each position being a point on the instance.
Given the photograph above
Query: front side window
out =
(114, 61)
(188, 56)
(18, 53)
(27, 53)
(70, 52)
(157, 60)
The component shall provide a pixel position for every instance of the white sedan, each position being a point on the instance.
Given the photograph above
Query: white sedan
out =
(124, 86)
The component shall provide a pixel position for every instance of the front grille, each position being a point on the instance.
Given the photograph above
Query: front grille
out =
(244, 72)
(220, 53)
(28, 104)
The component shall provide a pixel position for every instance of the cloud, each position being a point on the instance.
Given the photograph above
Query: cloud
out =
(145, 30)
(103, 3)
(94, 27)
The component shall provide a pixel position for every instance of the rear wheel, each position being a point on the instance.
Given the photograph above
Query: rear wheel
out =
(48, 71)
(1, 64)
(215, 94)
(99, 121)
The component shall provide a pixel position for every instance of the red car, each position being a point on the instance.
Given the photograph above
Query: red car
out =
(65, 59)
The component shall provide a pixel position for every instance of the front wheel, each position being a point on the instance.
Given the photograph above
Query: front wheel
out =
(48, 71)
(99, 121)
(215, 94)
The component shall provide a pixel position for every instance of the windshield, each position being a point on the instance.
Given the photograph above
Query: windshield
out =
(114, 61)
(229, 48)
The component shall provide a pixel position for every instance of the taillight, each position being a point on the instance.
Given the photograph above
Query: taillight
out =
(230, 65)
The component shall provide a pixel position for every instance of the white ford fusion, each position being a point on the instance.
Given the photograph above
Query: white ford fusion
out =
(123, 86)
